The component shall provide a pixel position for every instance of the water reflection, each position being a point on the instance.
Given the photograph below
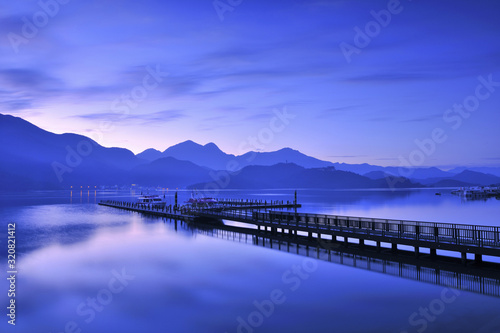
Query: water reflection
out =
(91, 196)
(441, 271)
(194, 281)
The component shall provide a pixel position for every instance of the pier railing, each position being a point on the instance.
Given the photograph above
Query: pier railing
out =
(473, 279)
(460, 234)
(456, 236)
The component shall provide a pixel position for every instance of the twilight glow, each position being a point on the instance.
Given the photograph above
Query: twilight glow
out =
(358, 81)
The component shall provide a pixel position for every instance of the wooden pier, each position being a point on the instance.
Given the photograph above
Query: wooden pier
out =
(464, 239)
(440, 270)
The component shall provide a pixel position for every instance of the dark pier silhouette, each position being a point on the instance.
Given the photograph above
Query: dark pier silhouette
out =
(369, 233)
(439, 270)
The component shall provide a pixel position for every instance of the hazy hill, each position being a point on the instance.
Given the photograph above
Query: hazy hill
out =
(478, 178)
(150, 155)
(290, 175)
(33, 158)
(285, 155)
(211, 156)
(452, 183)
(413, 173)
(377, 174)
(169, 172)
(40, 159)
(487, 170)
(463, 179)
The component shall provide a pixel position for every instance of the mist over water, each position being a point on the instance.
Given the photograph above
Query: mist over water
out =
(153, 275)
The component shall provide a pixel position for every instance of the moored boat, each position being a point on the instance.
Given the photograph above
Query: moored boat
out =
(477, 192)
(201, 202)
(151, 200)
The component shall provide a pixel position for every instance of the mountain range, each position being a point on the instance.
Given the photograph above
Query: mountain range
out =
(212, 157)
(33, 158)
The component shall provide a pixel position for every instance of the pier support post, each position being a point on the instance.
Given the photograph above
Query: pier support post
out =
(478, 258)
(346, 241)
(378, 246)
(433, 253)
(464, 257)
(394, 247)
(417, 251)
(361, 242)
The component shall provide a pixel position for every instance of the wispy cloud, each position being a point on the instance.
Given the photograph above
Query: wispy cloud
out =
(347, 156)
(147, 118)
(386, 159)
(420, 119)
(334, 111)
(26, 78)
(387, 77)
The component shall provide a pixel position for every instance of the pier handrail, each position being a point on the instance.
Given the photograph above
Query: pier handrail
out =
(432, 231)
(436, 232)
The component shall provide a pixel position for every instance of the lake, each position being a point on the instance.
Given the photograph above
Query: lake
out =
(87, 268)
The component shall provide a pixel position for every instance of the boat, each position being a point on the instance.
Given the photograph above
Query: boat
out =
(151, 200)
(478, 192)
(201, 202)
(438, 193)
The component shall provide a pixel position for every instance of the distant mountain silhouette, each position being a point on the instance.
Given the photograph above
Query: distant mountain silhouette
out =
(478, 178)
(40, 159)
(488, 170)
(377, 174)
(211, 156)
(452, 183)
(150, 155)
(33, 158)
(465, 178)
(169, 172)
(413, 173)
(290, 175)
(282, 156)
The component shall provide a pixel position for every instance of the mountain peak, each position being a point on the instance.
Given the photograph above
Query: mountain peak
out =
(287, 149)
(150, 154)
(211, 145)
(151, 150)
(188, 142)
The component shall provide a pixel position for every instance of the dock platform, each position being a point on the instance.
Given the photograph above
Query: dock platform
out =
(476, 240)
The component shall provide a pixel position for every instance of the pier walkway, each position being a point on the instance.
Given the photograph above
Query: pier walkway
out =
(465, 239)
(441, 270)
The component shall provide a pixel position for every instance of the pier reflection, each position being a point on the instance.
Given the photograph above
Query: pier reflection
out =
(443, 271)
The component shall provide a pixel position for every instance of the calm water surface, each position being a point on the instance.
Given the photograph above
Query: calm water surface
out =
(98, 269)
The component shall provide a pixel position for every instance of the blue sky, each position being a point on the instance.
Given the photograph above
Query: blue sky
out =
(225, 80)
